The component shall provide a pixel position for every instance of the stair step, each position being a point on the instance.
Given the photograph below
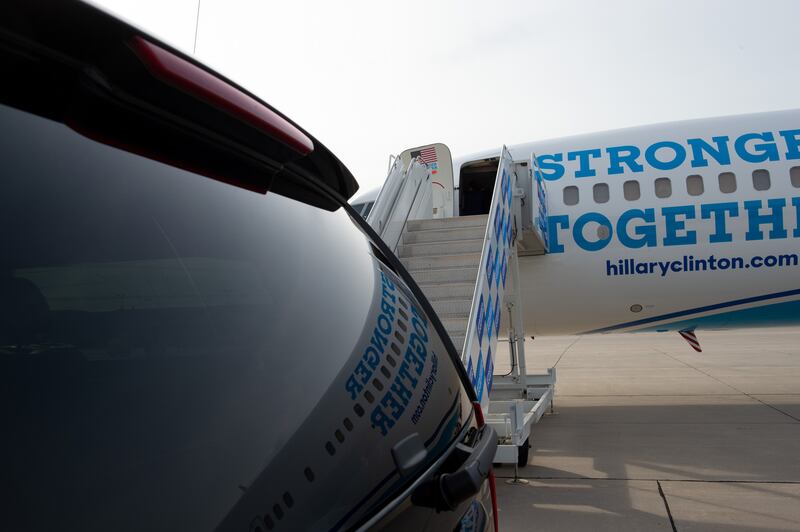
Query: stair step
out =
(444, 275)
(453, 324)
(441, 223)
(440, 248)
(444, 235)
(441, 261)
(448, 290)
(452, 307)
(457, 329)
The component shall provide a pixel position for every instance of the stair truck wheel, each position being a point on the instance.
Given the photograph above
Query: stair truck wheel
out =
(522, 453)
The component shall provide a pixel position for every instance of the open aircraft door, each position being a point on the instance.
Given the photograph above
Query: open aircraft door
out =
(440, 162)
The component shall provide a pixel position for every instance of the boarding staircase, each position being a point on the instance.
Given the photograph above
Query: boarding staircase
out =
(443, 256)
(463, 265)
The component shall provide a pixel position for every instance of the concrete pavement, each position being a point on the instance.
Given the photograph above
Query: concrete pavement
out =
(649, 435)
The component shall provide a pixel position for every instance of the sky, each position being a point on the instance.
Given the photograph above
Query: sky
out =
(372, 78)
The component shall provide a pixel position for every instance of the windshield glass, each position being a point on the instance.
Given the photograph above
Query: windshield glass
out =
(162, 334)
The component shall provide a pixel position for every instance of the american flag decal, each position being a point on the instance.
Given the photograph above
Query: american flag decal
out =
(426, 155)
(691, 339)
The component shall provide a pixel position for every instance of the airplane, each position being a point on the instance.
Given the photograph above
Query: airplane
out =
(677, 227)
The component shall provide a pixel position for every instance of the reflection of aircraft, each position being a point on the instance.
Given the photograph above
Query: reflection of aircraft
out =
(364, 202)
(675, 227)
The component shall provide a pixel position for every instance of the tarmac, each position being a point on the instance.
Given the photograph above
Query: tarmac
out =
(649, 435)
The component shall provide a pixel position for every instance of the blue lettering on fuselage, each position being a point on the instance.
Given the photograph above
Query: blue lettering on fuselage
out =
(636, 228)
(751, 147)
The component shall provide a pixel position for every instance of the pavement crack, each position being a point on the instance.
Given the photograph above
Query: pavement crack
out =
(666, 505)
(732, 387)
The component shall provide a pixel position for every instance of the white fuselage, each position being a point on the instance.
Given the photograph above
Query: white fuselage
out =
(712, 232)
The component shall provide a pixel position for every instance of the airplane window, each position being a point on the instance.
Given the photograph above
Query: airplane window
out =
(600, 192)
(571, 195)
(794, 175)
(761, 179)
(631, 190)
(663, 187)
(727, 182)
(694, 185)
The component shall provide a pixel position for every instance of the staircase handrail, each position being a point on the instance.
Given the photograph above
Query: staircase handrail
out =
(402, 197)
(498, 244)
(387, 196)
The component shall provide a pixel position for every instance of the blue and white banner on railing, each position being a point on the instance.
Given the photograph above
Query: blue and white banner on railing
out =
(480, 344)
(540, 209)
